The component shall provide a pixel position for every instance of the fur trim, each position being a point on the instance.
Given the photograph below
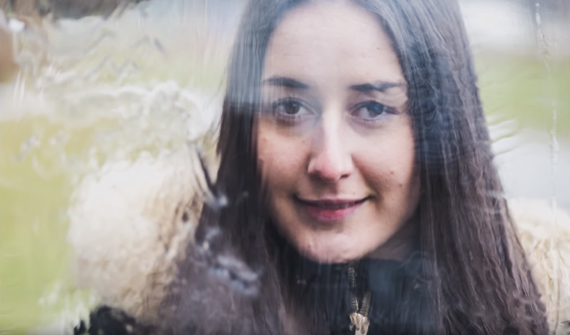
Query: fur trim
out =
(131, 221)
(544, 232)
(128, 225)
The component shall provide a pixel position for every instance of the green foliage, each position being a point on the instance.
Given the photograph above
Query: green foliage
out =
(36, 283)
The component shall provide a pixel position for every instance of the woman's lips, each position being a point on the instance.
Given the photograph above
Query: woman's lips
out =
(330, 209)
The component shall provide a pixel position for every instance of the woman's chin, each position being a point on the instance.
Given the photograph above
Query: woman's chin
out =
(327, 252)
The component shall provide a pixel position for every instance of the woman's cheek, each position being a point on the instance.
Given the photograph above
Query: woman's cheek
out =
(280, 160)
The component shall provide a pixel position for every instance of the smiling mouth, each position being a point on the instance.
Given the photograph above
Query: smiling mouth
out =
(332, 204)
(330, 210)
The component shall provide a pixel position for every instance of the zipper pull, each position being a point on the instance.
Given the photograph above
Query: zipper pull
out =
(359, 318)
(360, 323)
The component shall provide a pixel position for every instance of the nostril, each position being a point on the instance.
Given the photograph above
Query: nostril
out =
(330, 167)
(330, 159)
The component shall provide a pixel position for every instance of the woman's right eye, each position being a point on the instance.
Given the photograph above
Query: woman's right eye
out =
(288, 109)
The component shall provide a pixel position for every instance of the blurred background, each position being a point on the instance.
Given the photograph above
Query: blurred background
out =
(89, 86)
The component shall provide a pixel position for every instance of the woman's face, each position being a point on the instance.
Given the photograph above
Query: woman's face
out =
(335, 142)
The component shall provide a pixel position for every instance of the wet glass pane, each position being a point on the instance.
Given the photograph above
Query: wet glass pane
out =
(284, 167)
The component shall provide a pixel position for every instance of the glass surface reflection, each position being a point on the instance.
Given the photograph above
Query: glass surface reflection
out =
(284, 167)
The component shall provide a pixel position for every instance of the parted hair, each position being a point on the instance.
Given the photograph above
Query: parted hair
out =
(479, 279)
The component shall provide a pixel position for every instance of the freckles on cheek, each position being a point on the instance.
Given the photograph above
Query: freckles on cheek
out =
(388, 170)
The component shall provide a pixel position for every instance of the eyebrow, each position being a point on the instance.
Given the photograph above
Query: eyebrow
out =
(285, 82)
(381, 86)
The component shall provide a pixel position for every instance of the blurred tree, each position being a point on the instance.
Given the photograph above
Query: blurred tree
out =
(63, 8)
(559, 9)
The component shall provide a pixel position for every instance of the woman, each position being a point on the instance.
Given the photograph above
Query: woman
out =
(358, 126)
(357, 164)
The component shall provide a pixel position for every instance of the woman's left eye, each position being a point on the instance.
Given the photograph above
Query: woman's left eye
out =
(370, 110)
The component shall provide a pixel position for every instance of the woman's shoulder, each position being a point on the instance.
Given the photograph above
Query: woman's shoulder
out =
(544, 232)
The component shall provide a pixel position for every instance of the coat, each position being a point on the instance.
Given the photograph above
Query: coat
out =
(127, 235)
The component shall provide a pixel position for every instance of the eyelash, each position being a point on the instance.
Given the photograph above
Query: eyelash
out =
(385, 110)
(284, 116)
(292, 118)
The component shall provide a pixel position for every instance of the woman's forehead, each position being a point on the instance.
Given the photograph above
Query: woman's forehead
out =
(331, 42)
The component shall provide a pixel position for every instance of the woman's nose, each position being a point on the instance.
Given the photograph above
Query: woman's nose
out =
(329, 160)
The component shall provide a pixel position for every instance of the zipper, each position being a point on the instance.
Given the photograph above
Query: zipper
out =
(359, 316)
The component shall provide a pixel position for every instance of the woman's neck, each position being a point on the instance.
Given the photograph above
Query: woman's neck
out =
(400, 246)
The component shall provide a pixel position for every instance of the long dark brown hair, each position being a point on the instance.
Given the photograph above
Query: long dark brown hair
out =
(479, 280)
